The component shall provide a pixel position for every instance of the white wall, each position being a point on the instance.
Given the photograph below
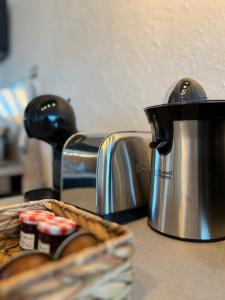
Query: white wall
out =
(115, 57)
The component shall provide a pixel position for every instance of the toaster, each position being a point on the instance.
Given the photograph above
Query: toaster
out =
(107, 174)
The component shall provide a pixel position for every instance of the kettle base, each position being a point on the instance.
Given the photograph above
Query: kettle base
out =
(185, 239)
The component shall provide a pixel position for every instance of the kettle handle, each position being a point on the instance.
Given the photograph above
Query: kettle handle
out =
(158, 144)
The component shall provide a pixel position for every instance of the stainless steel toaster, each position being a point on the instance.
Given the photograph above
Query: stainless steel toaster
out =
(107, 174)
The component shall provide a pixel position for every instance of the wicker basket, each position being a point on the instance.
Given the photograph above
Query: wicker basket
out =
(100, 272)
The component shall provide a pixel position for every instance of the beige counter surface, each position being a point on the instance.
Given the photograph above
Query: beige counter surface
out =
(167, 269)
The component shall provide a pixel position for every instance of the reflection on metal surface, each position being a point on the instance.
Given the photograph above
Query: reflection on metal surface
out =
(117, 165)
(187, 191)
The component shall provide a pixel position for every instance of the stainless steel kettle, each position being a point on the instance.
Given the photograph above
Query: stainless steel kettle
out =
(187, 196)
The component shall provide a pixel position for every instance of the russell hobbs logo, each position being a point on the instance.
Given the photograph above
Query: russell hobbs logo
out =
(164, 174)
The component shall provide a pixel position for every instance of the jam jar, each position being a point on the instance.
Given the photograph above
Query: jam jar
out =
(52, 232)
(29, 232)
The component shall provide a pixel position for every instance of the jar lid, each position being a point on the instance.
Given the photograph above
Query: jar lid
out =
(32, 216)
(44, 217)
(36, 211)
(57, 226)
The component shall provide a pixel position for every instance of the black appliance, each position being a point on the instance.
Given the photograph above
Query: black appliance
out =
(51, 119)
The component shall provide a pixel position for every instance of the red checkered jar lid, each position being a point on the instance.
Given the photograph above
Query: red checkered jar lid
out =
(32, 216)
(57, 226)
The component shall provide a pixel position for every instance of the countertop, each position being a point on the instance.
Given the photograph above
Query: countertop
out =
(166, 268)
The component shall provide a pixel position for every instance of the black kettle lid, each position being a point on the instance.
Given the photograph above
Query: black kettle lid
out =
(187, 100)
(187, 90)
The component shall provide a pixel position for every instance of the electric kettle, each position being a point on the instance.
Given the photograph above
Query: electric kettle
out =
(187, 193)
